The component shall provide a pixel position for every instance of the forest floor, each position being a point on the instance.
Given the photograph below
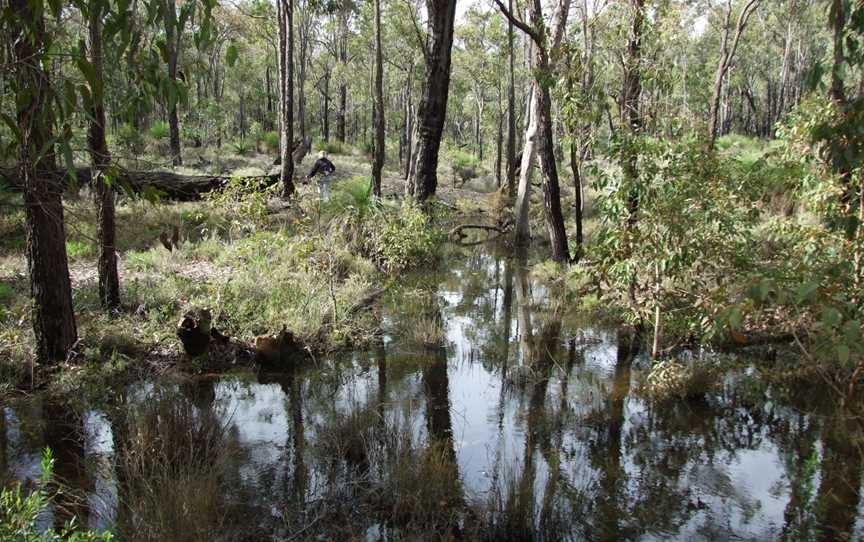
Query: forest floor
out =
(259, 267)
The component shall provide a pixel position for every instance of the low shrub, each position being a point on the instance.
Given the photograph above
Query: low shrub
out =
(160, 130)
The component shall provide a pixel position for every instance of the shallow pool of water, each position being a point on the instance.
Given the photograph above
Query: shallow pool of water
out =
(486, 411)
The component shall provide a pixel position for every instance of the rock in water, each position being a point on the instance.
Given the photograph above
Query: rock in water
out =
(193, 329)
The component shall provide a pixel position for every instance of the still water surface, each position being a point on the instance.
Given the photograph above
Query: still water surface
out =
(534, 418)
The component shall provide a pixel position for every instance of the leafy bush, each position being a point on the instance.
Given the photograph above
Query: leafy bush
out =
(242, 147)
(245, 200)
(160, 130)
(271, 141)
(79, 249)
(129, 138)
(403, 239)
(465, 166)
(330, 147)
(673, 379)
(19, 513)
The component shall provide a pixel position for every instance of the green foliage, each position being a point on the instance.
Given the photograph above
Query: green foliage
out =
(693, 229)
(677, 380)
(80, 249)
(465, 165)
(245, 200)
(330, 147)
(19, 513)
(241, 147)
(129, 138)
(159, 130)
(404, 239)
(271, 140)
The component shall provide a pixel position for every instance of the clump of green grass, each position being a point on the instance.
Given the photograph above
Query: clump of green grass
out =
(77, 250)
(676, 380)
(159, 130)
(174, 459)
(330, 147)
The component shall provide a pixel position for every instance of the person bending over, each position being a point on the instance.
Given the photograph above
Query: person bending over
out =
(325, 168)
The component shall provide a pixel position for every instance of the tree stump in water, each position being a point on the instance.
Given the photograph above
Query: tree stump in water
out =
(194, 331)
(283, 346)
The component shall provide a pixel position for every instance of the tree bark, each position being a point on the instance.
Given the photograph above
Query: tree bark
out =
(540, 131)
(50, 288)
(378, 162)
(172, 44)
(511, 109)
(423, 178)
(100, 157)
(630, 107)
(286, 98)
(343, 87)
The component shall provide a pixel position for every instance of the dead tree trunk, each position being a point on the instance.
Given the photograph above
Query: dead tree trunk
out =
(50, 288)
(422, 178)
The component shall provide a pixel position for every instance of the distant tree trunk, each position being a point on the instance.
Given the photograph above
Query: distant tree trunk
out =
(268, 124)
(577, 189)
(172, 46)
(50, 289)
(727, 53)
(511, 109)
(409, 121)
(301, 75)
(499, 143)
(286, 98)
(422, 178)
(100, 157)
(343, 87)
(325, 107)
(378, 162)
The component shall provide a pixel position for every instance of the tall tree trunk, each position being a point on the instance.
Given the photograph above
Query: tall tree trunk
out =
(575, 164)
(511, 109)
(378, 162)
(423, 178)
(286, 98)
(301, 75)
(343, 87)
(325, 107)
(540, 131)
(50, 288)
(499, 143)
(630, 108)
(268, 124)
(100, 157)
(172, 45)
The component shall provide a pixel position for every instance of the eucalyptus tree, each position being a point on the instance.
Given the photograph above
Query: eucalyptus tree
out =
(34, 140)
(422, 179)
(103, 177)
(539, 137)
(286, 94)
(380, 127)
(727, 54)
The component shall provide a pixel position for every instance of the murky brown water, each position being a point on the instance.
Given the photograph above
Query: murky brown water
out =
(531, 418)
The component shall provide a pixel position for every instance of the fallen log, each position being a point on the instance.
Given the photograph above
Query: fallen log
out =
(163, 183)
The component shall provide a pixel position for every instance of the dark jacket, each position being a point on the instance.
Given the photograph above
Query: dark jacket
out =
(323, 166)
